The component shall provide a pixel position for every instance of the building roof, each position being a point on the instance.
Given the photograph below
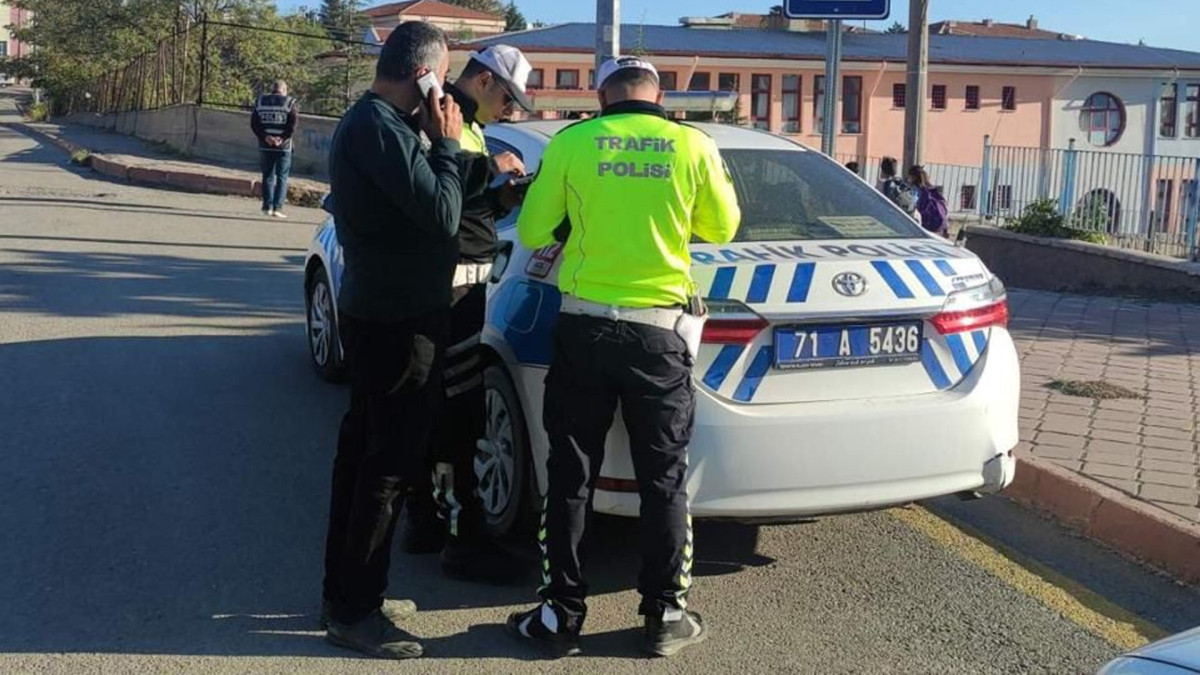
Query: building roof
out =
(989, 28)
(766, 44)
(429, 8)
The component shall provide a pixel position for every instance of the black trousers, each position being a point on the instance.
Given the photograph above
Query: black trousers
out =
(461, 422)
(596, 363)
(395, 374)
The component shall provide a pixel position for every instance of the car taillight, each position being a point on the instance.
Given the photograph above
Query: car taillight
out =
(974, 308)
(731, 323)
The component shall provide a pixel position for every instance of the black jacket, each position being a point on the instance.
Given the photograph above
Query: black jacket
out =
(397, 211)
(481, 204)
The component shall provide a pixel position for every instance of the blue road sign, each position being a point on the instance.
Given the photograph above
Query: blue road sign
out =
(837, 9)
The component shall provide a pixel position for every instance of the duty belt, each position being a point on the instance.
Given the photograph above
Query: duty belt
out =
(469, 274)
(660, 317)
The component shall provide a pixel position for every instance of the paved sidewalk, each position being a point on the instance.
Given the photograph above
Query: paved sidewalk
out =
(1147, 447)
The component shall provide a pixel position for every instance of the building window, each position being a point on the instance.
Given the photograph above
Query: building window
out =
(1168, 117)
(668, 81)
(760, 101)
(591, 78)
(818, 104)
(1191, 114)
(3, 47)
(1004, 197)
(1102, 119)
(700, 82)
(898, 97)
(537, 79)
(1008, 99)
(851, 105)
(939, 97)
(727, 82)
(972, 96)
(566, 79)
(966, 198)
(791, 104)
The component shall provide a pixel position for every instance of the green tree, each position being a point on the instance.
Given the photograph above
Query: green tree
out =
(342, 19)
(489, 6)
(896, 28)
(513, 19)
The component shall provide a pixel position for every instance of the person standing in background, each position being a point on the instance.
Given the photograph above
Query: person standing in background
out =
(274, 122)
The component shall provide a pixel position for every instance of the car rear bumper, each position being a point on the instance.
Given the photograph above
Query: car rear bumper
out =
(784, 460)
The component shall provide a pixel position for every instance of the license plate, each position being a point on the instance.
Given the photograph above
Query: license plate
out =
(844, 346)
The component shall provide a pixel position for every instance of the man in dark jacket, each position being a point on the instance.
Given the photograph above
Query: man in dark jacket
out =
(397, 209)
(274, 122)
(491, 84)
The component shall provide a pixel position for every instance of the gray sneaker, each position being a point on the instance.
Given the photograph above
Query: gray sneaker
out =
(375, 636)
(666, 635)
(395, 610)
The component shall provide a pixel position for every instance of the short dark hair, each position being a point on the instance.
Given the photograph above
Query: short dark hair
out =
(411, 45)
(887, 167)
(631, 78)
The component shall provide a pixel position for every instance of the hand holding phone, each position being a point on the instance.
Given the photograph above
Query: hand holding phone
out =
(442, 118)
(428, 83)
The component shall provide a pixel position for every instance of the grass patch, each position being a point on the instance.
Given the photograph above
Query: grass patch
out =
(81, 158)
(1097, 389)
(38, 112)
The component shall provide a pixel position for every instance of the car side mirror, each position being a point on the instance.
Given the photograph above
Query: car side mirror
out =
(500, 264)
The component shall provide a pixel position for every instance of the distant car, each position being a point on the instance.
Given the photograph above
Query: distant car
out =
(852, 361)
(1175, 655)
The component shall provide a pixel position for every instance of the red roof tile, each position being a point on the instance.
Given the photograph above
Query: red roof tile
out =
(429, 8)
(990, 29)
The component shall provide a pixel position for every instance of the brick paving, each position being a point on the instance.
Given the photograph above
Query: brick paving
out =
(1150, 447)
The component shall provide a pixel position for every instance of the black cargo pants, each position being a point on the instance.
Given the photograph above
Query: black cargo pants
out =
(596, 364)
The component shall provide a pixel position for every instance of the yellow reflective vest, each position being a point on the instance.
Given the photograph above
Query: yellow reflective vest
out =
(636, 187)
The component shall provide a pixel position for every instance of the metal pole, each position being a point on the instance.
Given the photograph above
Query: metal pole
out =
(608, 31)
(833, 80)
(918, 78)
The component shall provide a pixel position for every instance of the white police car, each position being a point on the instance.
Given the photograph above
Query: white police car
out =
(852, 361)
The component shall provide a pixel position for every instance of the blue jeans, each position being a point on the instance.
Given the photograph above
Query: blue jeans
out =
(276, 165)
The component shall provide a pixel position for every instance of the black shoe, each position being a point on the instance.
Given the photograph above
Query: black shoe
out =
(422, 534)
(375, 636)
(530, 627)
(482, 561)
(395, 610)
(666, 637)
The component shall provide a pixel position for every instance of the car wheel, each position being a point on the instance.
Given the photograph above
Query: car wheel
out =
(502, 465)
(324, 341)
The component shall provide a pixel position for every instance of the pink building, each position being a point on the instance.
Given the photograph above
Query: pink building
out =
(10, 18)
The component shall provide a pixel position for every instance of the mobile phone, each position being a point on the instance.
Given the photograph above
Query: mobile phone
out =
(524, 181)
(429, 82)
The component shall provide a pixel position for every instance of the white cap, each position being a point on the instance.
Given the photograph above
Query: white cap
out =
(511, 66)
(611, 66)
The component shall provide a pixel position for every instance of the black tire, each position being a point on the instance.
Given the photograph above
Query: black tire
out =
(324, 339)
(505, 488)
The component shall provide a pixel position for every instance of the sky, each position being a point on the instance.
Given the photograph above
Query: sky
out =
(1161, 23)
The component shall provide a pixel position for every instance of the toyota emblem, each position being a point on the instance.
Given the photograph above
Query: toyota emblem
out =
(850, 284)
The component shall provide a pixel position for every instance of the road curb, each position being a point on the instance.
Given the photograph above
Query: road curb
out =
(190, 181)
(1109, 516)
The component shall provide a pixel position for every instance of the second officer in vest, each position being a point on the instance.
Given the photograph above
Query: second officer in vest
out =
(635, 187)
(490, 86)
(274, 123)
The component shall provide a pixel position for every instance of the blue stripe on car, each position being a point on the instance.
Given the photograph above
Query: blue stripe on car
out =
(926, 279)
(958, 349)
(945, 267)
(760, 283)
(754, 375)
(892, 279)
(801, 282)
(980, 338)
(933, 367)
(722, 282)
(720, 367)
(524, 312)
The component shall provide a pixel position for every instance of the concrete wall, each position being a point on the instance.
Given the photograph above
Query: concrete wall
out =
(1037, 263)
(219, 135)
(1137, 94)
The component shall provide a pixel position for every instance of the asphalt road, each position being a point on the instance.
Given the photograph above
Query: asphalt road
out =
(165, 455)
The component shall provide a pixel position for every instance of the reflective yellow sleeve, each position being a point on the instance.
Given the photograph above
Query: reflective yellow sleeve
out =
(545, 204)
(715, 216)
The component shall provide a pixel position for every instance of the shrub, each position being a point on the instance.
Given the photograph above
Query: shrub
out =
(38, 112)
(81, 158)
(1042, 219)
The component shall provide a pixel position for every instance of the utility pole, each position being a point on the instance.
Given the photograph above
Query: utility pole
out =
(833, 81)
(918, 83)
(608, 31)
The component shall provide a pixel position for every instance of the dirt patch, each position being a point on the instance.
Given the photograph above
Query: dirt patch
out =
(1097, 389)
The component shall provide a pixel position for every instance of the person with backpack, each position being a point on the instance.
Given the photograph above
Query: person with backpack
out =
(931, 205)
(895, 189)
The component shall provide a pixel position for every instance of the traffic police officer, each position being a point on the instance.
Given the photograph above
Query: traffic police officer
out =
(491, 84)
(274, 122)
(627, 190)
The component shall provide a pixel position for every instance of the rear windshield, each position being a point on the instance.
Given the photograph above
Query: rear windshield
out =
(789, 195)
